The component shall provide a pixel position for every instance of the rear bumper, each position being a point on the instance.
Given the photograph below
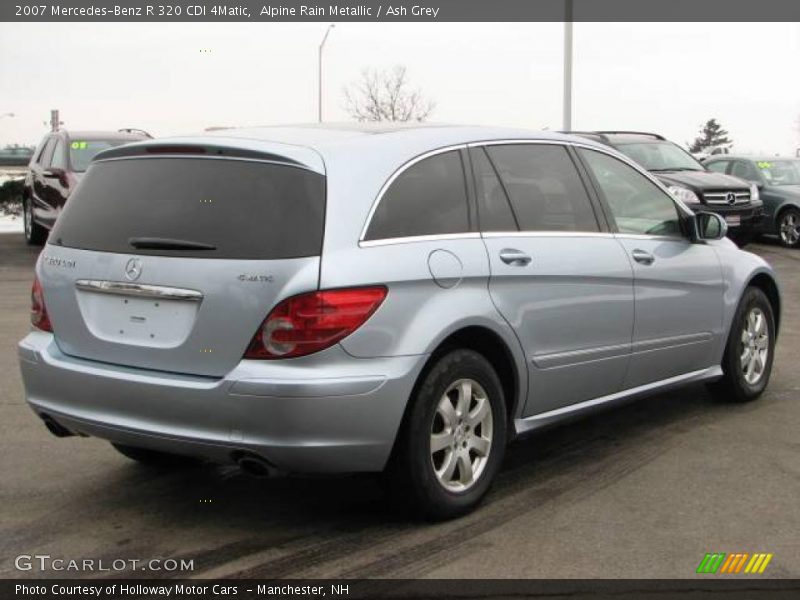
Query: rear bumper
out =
(333, 414)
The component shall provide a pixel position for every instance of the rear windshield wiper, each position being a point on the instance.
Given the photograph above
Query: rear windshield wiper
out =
(153, 243)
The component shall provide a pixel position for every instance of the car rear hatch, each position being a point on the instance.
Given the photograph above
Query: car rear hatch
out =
(171, 259)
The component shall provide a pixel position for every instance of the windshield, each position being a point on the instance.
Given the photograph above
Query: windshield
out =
(81, 152)
(780, 172)
(660, 156)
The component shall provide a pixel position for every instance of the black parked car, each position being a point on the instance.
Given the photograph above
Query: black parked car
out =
(700, 189)
(778, 180)
(57, 165)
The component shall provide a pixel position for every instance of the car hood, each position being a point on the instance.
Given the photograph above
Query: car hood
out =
(702, 180)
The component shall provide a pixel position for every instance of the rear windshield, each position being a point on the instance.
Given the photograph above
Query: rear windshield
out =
(232, 208)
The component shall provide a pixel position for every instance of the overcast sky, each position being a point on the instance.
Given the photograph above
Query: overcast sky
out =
(661, 77)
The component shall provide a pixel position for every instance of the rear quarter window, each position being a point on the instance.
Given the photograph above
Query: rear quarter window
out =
(427, 198)
(243, 209)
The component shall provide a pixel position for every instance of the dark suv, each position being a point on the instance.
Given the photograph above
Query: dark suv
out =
(56, 167)
(699, 188)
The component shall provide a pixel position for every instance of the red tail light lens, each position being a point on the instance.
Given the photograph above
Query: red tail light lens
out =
(39, 316)
(311, 322)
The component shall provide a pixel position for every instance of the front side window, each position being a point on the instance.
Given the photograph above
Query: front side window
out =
(636, 203)
(428, 198)
(544, 188)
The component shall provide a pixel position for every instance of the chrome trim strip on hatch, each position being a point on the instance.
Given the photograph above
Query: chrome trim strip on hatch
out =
(138, 289)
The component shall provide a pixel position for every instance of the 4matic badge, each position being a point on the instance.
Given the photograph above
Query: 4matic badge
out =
(256, 278)
(52, 261)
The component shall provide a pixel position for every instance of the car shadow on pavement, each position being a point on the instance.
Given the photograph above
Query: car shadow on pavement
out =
(307, 520)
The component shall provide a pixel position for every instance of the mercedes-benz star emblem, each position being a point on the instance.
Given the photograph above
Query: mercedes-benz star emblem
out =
(730, 198)
(133, 269)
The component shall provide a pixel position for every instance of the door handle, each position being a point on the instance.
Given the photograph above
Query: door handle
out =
(643, 257)
(515, 258)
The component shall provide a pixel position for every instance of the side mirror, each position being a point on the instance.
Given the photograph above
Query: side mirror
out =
(710, 226)
(56, 173)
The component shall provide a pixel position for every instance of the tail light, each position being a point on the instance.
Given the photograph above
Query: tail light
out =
(39, 316)
(314, 321)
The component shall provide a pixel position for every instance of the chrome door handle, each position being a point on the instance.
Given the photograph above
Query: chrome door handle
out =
(515, 258)
(643, 257)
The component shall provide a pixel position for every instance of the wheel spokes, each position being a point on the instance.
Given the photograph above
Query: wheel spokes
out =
(464, 398)
(447, 412)
(465, 473)
(461, 435)
(479, 413)
(480, 445)
(440, 441)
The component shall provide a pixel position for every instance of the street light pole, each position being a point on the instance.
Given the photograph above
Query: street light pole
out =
(567, 109)
(319, 71)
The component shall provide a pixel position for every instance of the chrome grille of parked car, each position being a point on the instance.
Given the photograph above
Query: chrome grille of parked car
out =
(742, 197)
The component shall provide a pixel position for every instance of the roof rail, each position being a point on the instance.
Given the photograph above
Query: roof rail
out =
(134, 130)
(598, 134)
(655, 135)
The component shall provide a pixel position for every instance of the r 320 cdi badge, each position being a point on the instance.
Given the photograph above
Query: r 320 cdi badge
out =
(407, 300)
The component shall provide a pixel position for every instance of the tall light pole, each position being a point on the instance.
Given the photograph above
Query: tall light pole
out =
(567, 109)
(319, 70)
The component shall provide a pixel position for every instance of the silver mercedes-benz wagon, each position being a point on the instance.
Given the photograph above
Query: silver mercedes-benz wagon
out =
(408, 300)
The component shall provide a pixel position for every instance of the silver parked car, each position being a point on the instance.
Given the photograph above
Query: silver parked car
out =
(351, 299)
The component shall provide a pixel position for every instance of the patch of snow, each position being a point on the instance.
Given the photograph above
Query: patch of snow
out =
(9, 224)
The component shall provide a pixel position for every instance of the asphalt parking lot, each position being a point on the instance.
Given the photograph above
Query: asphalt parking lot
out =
(639, 491)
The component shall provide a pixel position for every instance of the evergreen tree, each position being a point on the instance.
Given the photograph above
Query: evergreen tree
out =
(712, 134)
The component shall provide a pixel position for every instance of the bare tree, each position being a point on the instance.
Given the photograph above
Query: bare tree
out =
(386, 95)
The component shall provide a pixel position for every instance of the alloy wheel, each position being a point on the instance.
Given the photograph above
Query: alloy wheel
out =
(790, 229)
(27, 219)
(461, 435)
(755, 346)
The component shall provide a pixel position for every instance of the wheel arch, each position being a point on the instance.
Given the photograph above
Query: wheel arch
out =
(767, 284)
(787, 205)
(500, 353)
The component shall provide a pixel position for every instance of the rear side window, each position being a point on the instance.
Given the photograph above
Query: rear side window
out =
(544, 187)
(428, 198)
(494, 209)
(242, 209)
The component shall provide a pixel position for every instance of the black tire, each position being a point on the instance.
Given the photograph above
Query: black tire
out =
(35, 234)
(786, 215)
(741, 239)
(412, 472)
(154, 458)
(734, 385)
